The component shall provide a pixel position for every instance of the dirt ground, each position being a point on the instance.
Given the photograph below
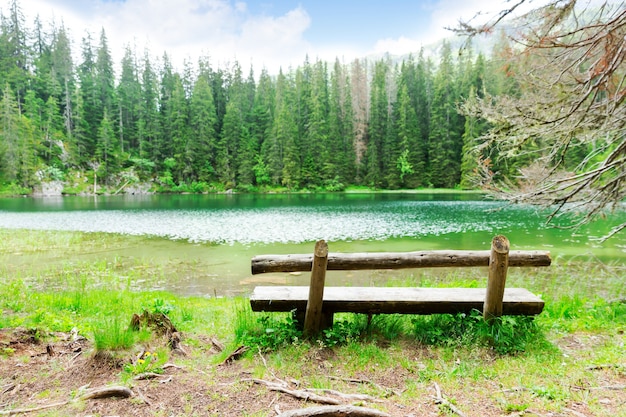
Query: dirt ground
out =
(55, 373)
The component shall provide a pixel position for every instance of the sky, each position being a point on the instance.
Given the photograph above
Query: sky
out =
(269, 34)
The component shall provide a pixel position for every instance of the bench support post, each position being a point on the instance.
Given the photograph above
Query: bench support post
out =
(498, 266)
(313, 316)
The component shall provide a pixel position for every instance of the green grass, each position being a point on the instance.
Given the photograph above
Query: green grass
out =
(582, 325)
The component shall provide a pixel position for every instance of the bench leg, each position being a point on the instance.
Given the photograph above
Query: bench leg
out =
(326, 321)
(298, 317)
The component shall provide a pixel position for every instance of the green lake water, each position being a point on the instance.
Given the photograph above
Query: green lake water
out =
(218, 234)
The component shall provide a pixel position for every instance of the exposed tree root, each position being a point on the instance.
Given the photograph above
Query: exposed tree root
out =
(92, 394)
(301, 394)
(335, 411)
(388, 391)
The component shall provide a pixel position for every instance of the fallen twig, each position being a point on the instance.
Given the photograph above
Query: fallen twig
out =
(515, 389)
(439, 399)
(351, 397)
(576, 413)
(389, 391)
(219, 346)
(30, 410)
(143, 397)
(171, 365)
(7, 388)
(301, 394)
(268, 369)
(96, 393)
(105, 392)
(605, 366)
(236, 354)
(80, 352)
(610, 387)
(147, 375)
(335, 411)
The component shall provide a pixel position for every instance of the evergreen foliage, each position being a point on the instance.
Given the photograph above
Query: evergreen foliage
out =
(382, 124)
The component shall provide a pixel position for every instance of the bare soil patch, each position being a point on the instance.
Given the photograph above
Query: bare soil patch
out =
(39, 370)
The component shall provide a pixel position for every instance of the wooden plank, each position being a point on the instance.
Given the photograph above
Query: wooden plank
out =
(386, 300)
(394, 260)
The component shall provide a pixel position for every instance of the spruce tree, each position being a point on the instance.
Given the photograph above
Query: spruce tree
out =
(445, 141)
(203, 135)
(128, 102)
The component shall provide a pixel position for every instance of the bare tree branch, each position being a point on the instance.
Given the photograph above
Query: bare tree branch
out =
(569, 58)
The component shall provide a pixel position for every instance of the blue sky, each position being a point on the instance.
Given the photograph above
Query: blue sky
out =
(356, 21)
(264, 33)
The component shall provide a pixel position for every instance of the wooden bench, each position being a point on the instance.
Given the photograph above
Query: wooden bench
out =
(316, 304)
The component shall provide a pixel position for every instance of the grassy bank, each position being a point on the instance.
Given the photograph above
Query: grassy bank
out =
(571, 357)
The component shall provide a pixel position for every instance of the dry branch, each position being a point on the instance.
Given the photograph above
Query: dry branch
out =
(439, 399)
(143, 397)
(576, 413)
(146, 375)
(7, 388)
(334, 411)
(350, 397)
(105, 392)
(93, 394)
(301, 394)
(605, 366)
(236, 354)
(388, 391)
(219, 346)
(31, 410)
(171, 365)
(610, 387)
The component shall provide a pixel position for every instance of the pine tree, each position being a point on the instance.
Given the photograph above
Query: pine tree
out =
(445, 141)
(90, 107)
(129, 101)
(315, 148)
(249, 145)
(148, 118)
(177, 118)
(261, 127)
(283, 158)
(18, 145)
(16, 53)
(473, 129)
(9, 136)
(360, 106)
(410, 160)
(378, 125)
(203, 135)
(105, 79)
(53, 136)
(162, 148)
(340, 167)
(63, 70)
(106, 150)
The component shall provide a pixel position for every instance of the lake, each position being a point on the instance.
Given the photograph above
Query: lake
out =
(222, 232)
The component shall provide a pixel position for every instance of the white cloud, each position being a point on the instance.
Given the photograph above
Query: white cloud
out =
(185, 29)
(225, 30)
(398, 46)
(447, 14)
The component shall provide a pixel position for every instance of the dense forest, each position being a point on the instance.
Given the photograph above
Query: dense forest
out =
(322, 126)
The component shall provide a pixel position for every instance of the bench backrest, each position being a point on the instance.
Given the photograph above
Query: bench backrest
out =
(498, 259)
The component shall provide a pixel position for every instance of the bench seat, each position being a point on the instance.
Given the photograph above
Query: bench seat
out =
(390, 300)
